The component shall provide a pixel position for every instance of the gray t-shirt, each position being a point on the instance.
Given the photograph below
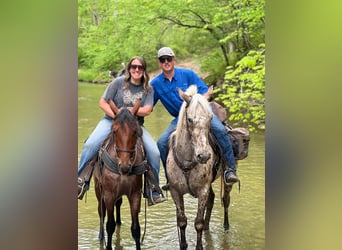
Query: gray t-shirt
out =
(127, 97)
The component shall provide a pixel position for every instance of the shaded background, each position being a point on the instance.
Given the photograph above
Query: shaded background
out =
(38, 128)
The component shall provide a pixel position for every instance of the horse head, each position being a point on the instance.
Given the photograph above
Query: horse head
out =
(126, 131)
(197, 121)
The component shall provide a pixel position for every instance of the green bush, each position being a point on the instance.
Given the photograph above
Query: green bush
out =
(243, 90)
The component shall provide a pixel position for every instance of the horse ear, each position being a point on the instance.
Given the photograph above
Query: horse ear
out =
(113, 107)
(184, 96)
(115, 127)
(209, 93)
(136, 107)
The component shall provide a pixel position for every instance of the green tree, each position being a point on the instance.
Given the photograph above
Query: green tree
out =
(236, 26)
(224, 36)
(243, 90)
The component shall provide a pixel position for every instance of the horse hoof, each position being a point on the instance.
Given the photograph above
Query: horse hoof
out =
(184, 246)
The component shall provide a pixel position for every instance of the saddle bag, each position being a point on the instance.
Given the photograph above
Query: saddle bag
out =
(239, 138)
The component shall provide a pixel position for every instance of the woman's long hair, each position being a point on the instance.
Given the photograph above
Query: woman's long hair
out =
(144, 79)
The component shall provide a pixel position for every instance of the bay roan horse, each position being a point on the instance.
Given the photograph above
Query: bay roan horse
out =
(121, 165)
(194, 162)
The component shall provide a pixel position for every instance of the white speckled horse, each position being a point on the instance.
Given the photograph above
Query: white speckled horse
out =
(194, 162)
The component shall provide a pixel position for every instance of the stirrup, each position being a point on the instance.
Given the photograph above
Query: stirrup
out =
(230, 183)
(81, 193)
(226, 173)
(83, 188)
(150, 198)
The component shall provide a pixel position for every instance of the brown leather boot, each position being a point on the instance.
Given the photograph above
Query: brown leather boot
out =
(230, 177)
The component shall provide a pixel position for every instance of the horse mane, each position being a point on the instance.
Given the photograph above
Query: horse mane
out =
(125, 116)
(198, 103)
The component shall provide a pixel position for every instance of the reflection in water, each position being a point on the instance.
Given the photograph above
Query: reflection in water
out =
(246, 211)
(118, 238)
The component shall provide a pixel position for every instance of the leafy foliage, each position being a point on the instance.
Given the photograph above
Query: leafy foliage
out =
(243, 90)
(222, 35)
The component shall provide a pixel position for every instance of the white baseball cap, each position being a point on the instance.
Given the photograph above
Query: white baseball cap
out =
(165, 51)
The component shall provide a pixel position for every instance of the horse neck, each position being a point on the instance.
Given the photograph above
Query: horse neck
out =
(198, 106)
(140, 151)
(183, 137)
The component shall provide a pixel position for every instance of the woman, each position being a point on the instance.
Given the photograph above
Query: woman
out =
(124, 91)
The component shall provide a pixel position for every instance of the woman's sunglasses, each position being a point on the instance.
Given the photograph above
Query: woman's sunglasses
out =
(139, 67)
(164, 59)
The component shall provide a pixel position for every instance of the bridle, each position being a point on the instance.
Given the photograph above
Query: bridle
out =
(112, 162)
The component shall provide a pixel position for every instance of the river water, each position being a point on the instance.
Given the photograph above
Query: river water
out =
(158, 223)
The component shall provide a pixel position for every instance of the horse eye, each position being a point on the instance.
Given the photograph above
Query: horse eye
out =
(190, 120)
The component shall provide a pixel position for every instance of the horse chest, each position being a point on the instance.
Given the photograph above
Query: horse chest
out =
(189, 181)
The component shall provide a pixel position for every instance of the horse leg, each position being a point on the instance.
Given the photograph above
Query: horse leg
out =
(181, 218)
(101, 208)
(210, 205)
(118, 211)
(199, 220)
(110, 225)
(226, 202)
(134, 202)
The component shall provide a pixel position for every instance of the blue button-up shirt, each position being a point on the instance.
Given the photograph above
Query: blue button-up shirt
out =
(167, 91)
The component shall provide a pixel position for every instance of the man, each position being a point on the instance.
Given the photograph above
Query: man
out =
(165, 89)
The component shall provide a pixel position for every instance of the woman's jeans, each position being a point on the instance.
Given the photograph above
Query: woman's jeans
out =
(93, 143)
(219, 132)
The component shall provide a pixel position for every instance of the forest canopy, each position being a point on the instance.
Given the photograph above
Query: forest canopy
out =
(227, 38)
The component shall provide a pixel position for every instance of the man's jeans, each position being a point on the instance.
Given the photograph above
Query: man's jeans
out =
(219, 132)
(102, 130)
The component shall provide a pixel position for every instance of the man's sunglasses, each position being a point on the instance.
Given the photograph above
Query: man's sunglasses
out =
(164, 59)
(134, 66)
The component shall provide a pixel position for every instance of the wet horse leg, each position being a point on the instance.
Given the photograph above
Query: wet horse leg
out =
(118, 211)
(209, 208)
(101, 208)
(102, 214)
(181, 218)
(226, 202)
(199, 220)
(110, 225)
(134, 201)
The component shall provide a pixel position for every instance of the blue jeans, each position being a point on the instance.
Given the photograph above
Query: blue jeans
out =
(92, 146)
(162, 144)
(93, 143)
(222, 137)
(217, 129)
